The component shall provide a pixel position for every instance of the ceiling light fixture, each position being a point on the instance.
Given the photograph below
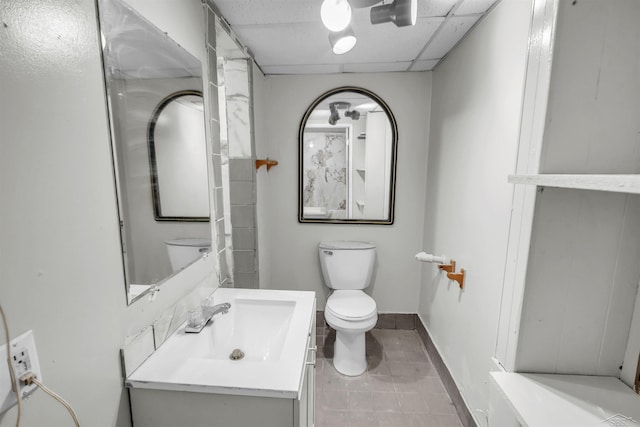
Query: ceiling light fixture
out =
(341, 105)
(353, 114)
(343, 41)
(400, 12)
(335, 116)
(335, 14)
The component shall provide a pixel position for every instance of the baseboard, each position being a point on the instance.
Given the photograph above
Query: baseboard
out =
(449, 384)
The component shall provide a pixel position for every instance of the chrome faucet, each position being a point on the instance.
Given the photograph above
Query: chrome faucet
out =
(206, 314)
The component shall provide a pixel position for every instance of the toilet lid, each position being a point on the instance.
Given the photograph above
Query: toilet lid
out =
(351, 304)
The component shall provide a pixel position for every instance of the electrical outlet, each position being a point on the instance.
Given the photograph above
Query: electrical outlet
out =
(24, 359)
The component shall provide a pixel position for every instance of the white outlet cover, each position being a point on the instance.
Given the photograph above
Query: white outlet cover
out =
(7, 396)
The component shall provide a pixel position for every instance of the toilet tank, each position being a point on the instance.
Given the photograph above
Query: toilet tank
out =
(347, 265)
(183, 252)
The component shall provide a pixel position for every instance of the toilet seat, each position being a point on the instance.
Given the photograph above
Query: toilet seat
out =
(351, 305)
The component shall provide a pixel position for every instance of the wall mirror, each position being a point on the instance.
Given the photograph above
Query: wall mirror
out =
(178, 158)
(347, 146)
(154, 91)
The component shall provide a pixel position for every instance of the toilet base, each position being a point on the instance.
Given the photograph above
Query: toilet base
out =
(349, 356)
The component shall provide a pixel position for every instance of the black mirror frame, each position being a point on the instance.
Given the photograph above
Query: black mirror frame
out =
(394, 156)
(153, 165)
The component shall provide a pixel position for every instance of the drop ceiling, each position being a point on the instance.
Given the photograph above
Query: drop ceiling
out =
(287, 36)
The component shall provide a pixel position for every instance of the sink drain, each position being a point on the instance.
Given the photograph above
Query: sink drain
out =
(236, 354)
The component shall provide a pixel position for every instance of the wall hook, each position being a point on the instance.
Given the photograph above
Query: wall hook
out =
(449, 268)
(267, 162)
(458, 277)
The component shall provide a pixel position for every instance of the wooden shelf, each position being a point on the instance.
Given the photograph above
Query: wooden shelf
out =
(611, 183)
(543, 400)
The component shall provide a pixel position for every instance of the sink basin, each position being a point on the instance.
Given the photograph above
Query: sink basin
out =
(257, 327)
(269, 327)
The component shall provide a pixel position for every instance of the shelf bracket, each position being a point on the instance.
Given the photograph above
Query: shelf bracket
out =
(458, 277)
(267, 162)
(449, 268)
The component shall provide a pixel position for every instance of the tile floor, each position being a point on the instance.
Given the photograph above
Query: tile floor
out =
(400, 388)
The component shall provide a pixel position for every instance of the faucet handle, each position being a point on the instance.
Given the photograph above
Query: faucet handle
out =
(196, 317)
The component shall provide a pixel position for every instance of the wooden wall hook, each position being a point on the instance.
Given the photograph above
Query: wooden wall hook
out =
(449, 268)
(267, 162)
(458, 277)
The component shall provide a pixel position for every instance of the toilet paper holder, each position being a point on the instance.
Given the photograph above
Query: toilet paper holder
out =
(450, 268)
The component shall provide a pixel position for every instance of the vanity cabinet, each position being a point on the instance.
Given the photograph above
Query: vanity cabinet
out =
(570, 301)
(165, 408)
(179, 386)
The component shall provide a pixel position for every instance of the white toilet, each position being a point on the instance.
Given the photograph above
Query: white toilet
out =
(347, 268)
(183, 252)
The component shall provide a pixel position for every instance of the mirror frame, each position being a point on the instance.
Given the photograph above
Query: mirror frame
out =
(155, 187)
(394, 157)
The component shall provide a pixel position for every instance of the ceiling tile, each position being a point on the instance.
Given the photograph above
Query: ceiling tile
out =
(474, 7)
(293, 44)
(377, 67)
(309, 43)
(301, 69)
(435, 7)
(424, 65)
(250, 12)
(286, 35)
(450, 34)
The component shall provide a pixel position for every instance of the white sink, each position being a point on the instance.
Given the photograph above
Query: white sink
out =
(257, 327)
(270, 327)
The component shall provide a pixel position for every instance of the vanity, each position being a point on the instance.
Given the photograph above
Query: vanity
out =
(191, 379)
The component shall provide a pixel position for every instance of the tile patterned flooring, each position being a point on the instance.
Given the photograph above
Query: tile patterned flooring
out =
(401, 387)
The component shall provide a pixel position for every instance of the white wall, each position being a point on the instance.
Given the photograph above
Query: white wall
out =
(477, 98)
(290, 248)
(60, 262)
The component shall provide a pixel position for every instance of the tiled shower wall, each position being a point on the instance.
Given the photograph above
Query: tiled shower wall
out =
(242, 173)
(213, 122)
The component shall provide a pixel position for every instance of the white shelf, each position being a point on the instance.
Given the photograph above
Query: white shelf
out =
(611, 183)
(546, 400)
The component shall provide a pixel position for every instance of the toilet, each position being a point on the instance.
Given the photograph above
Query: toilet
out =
(183, 252)
(347, 268)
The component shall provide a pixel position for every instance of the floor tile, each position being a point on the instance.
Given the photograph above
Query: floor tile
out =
(332, 419)
(384, 401)
(363, 419)
(360, 401)
(400, 388)
(412, 402)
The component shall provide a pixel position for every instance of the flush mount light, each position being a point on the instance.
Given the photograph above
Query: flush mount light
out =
(400, 12)
(343, 41)
(353, 114)
(335, 14)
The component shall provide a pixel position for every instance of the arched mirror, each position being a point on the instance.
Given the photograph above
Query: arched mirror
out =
(178, 158)
(347, 143)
